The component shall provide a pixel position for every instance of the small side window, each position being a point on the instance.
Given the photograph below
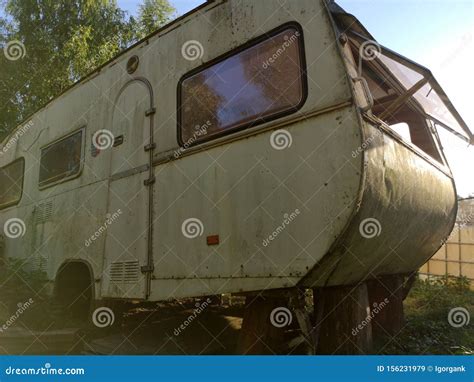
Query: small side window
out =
(263, 80)
(61, 160)
(11, 183)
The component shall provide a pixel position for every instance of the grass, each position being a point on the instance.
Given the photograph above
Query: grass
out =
(427, 329)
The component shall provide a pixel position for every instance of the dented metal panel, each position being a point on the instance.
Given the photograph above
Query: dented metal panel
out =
(408, 209)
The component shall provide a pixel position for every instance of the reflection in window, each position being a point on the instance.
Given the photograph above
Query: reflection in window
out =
(11, 183)
(244, 89)
(61, 159)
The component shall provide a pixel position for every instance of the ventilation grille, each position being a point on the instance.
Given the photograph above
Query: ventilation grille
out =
(125, 272)
(38, 262)
(44, 212)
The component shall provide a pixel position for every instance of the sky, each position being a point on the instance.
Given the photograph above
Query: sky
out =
(437, 34)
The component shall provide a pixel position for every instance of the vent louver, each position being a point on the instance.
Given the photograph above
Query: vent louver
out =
(125, 272)
(43, 212)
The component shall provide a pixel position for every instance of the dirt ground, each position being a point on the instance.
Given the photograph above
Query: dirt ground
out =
(179, 328)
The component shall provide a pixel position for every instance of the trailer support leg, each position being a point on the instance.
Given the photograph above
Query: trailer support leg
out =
(386, 296)
(342, 324)
(259, 335)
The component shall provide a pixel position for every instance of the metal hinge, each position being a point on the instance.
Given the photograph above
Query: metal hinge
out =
(147, 268)
(149, 182)
(150, 111)
(150, 146)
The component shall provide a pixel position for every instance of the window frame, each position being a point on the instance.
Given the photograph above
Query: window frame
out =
(14, 203)
(233, 52)
(81, 164)
(428, 76)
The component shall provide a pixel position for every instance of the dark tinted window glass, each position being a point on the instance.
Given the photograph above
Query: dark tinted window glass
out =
(11, 183)
(61, 159)
(244, 89)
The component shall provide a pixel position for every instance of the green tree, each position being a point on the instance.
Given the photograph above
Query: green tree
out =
(63, 41)
(152, 15)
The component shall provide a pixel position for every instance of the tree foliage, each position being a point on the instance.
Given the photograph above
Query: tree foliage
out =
(62, 41)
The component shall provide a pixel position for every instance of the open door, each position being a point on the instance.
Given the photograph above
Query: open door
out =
(127, 269)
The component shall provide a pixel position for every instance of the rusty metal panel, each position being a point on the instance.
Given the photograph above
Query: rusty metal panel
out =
(408, 209)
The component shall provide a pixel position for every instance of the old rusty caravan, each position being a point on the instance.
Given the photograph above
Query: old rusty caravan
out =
(234, 152)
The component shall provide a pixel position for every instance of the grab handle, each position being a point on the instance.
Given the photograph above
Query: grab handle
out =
(367, 93)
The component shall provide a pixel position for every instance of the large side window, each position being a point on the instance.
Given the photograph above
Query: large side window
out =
(261, 81)
(11, 183)
(61, 160)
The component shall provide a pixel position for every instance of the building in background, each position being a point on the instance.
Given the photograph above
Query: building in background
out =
(456, 256)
